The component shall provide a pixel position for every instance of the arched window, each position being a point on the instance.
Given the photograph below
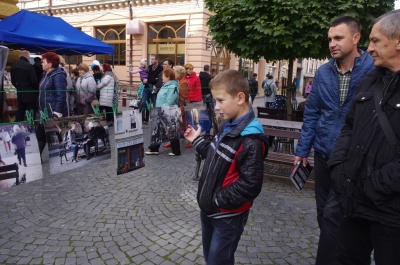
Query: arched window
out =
(115, 36)
(168, 41)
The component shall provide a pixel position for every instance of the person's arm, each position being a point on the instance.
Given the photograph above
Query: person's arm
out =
(33, 77)
(60, 87)
(312, 114)
(104, 81)
(91, 88)
(137, 71)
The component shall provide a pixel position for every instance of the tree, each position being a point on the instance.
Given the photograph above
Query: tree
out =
(285, 29)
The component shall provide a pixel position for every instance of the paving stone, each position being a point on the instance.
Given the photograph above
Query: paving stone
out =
(146, 216)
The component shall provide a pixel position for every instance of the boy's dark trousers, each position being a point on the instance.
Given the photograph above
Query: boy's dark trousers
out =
(221, 238)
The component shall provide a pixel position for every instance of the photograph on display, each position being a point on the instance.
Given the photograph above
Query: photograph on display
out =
(77, 141)
(19, 155)
(129, 141)
(165, 123)
(202, 117)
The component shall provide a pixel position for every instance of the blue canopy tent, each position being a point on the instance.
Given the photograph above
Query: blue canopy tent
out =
(40, 33)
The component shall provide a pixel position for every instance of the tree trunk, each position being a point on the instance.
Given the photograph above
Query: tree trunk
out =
(289, 90)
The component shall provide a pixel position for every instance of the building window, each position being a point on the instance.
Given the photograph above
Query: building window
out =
(115, 36)
(168, 41)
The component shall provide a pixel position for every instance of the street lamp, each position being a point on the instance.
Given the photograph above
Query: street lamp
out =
(210, 43)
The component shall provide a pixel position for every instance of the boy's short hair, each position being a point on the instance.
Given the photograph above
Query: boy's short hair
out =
(232, 82)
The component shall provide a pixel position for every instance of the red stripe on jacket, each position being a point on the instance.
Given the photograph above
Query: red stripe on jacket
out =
(231, 177)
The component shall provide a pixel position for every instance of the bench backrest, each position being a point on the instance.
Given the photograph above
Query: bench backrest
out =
(282, 133)
(270, 113)
(281, 124)
(9, 171)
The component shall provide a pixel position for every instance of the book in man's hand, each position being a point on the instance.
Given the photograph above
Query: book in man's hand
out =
(300, 174)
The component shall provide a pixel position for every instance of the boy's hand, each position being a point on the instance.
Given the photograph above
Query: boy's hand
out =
(191, 134)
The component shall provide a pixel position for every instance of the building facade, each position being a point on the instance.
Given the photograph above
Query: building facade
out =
(173, 29)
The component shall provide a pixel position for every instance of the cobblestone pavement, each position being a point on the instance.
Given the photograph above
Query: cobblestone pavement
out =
(147, 216)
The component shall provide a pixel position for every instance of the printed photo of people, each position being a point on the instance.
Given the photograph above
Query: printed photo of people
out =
(77, 141)
(129, 141)
(165, 123)
(19, 155)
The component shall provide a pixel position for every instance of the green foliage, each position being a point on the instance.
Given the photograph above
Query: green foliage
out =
(285, 29)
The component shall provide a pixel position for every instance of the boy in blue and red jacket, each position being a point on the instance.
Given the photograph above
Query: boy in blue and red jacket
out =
(233, 169)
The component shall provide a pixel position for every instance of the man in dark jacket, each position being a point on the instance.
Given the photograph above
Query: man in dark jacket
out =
(154, 70)
(38, 68)
(253, 84)
(333, 90)
(24, 79)
(205, 79)
(365, 163)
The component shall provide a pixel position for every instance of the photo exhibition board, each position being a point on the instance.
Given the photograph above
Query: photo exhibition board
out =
(129, 141)
(77, 141)
(165, 123)
(19, 155)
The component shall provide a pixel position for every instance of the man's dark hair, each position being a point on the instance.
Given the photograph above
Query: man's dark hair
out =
(170, 61)
(351, 22)
(269, 76)
(254, 75)
(37, 59)
(206, 67)
(96, 67)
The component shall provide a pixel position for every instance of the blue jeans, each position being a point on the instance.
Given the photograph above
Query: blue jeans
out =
(146, 97)
(75, 148)
(221, 238)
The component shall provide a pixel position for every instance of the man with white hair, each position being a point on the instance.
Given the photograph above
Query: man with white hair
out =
(24, 79)
(365, 163)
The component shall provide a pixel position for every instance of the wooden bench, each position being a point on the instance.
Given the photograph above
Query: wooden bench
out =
(271, 113)
(279, 114)
(285, 132)
(9, 172)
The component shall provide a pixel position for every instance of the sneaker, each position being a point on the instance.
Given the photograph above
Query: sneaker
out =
(171, 154)
(167, 145)
(151, 153)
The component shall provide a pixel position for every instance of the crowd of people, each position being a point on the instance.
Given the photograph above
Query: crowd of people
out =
(60, 91)
(167, 85)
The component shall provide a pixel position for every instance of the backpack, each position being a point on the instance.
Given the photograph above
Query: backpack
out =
(267, 89)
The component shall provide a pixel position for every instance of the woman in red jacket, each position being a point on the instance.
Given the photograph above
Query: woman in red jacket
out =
(193, 80)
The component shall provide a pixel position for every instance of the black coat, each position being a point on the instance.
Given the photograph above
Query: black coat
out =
(253, 85)
(205, 79)
(23, 77)
(233, 169)
(153, 74)
(365, 166)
